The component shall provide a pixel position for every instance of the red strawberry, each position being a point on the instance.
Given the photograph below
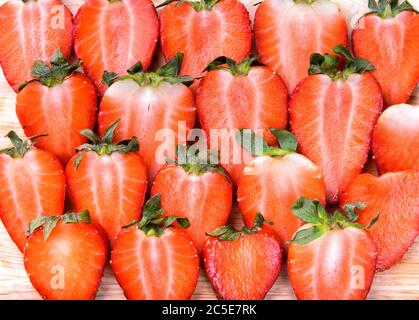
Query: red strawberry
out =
(203, 31)
(240, 96)
(156, 107)
(113, 35)
(65, 260)
(194, 188)
(273, 181)
(242, 264)
(28, 178)
(395, 197)
(32, 30)
(59, 102)
(109, 180)
(389, 38)
(331, 257)
(333, 113)
(154, 261)
(287, 32)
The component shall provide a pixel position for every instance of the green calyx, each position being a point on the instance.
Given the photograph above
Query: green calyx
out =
(329, 64)
(153, 223)
(312, 211)
(389, 8)
(20, 147)
(49, 222)
(104, 145)
(304, 1)
(229, 233)
(236, 69)
(167, 73)
(257, 146)
(197, 5)
(53, 73)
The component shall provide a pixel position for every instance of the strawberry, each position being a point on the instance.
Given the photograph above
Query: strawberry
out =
(239, 95)
(28, 178)
(108, 179)
(204, 30)
(156, 107)
(331, 257)
(65, 256)
(333, 112)
(287, 32)
(389, 38)
(58, 102)
(242, 264)
(395, 142)
(154, 261)
(274, 180)
(395, 197)
(113, 35)
(194, 188)
(32, 30)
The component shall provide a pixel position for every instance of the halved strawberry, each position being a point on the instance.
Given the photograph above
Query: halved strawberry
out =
(32, 183)
(331, 257)
(239, 95)
(389, 38)
(32, 30)
(58, 102)
(242, 264)
(287, 32)
(274, 180)
(154, 261)
(333, 112)
(65, 256)
(395, 197)
(156, 107)
(113, 35)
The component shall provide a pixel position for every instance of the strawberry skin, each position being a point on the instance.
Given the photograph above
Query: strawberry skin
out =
(32, 30)
(394, 196)
(395, 142)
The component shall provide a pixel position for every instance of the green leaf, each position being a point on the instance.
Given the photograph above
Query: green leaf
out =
(309, 234)
(341, 50)
(89, 134)
(49, 225)
(109, 77)
(323, 64)
(219, 231)
(350, 208)
(285, 139)
(75, 217)
(109, 133)
(306, 210)
(137, 67)
(172, 67)
(184, 222)
(251, 142)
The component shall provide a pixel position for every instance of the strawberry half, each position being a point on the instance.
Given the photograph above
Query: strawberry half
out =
(156, 107)
(58, 102)
(239, 95)
(389, 37)
(32, 30)
(287, 32)
(274, 180)
(113, 35)
(65, 256)
(242, 264)
(108, 179)
(333, 112)
(153, 261)
(28, 178)
(395, 197)
(331, 257)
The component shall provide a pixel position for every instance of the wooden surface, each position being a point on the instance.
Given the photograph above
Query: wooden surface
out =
(400, 282)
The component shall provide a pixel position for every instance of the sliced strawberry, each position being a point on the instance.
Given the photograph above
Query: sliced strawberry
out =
(113, 35)
(237, 96)
(32, 30)
(154, 261)
(156, 107)
(389, 38)
(59, 102)
(287, 32)
(331, 257)
(28, 178)
(394, 196)
(273, 181)
(333, 113)
(204, 31)
(109, 180)
(395, 143)
(242, 265)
